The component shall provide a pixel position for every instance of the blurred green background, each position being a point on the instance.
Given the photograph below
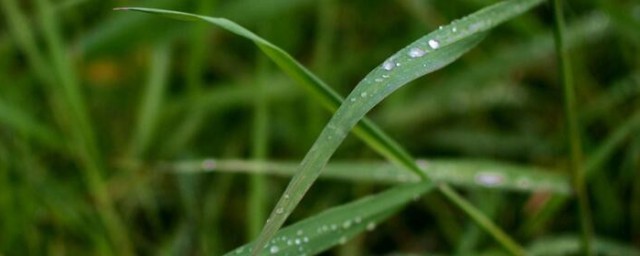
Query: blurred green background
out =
(92, 100)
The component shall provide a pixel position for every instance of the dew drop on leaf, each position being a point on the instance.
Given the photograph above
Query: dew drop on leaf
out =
(389, 64)
(416, 52)
(489, 179)
(346, 224)
(434, 44)
(371, 226)
(274, 249)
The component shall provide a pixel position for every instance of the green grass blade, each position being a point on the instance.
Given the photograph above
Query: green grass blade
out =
(259, 150)
(573, 129)
(79, 125)
(461, 35)
(151, 103)
(20, 30)
(483, 221)
(461, 172)
(571, 245)
(339, 224)
(594, 164)
(20, 121)
(363, 98)
(368, 131)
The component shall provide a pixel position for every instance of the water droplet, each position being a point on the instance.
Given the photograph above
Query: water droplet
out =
(489, 179)
(385, 76)
(346, 224)
(416, 52)
(297, 240)
(239, 250)
(305, 239)
(434, 44)
(358, 219)
(286, 196)
(300, 232)
(208, 165)
(274, 249)
(343, 240)
(379, 80)
(363, 95)
(334, 226)
(289, 242)
(371, 226)
(389, 64)
(454, 29)
(279, 210)
(325, 228)
(440, 27)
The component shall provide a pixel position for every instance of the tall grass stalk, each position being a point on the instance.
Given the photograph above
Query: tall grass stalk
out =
(573, 129)
(80, 128)
(257, 204)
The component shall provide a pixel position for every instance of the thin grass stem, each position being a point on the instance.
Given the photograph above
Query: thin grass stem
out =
(573, 129)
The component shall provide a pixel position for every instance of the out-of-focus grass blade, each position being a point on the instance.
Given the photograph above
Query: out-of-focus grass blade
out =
(594, 163)
(462, 172)
(20, 121)
(570, 245)
(339, 224)
(150, 105)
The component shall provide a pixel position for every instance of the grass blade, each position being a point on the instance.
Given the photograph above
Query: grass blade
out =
(461, 172)
(81, 130)
(571, 245)
(457, 38)
(364, 97)
(339, 224)
(22, 122)
(573, 130)
(153, 94)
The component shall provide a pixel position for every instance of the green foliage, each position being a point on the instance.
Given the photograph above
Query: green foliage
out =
(123, 133)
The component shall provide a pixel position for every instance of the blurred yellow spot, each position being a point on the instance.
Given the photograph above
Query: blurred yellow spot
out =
(103, 72)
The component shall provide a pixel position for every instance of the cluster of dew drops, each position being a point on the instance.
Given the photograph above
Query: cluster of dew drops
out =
(414, 52)
(277, 244)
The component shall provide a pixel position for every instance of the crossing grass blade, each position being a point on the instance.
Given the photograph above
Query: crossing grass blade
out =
(461, 172)
(440, 47)
(338, 224)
